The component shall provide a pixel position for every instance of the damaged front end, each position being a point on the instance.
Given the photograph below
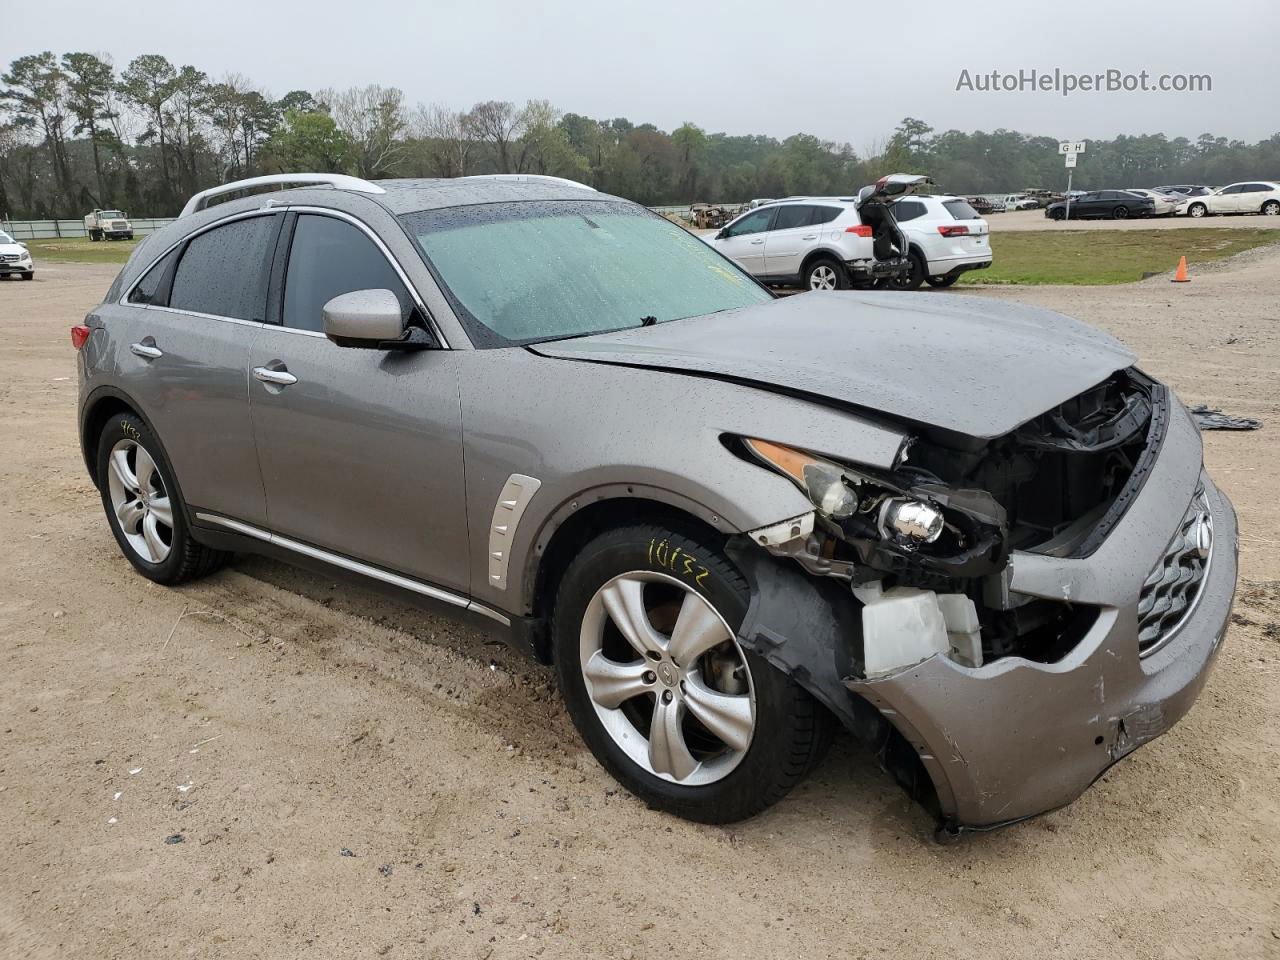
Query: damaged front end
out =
(920, 565)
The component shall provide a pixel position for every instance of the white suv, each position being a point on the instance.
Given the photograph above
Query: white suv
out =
(946, 238)
(15, 258)
(1255, 196)
(822, 243)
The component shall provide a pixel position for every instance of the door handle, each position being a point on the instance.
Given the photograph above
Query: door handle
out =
(812, 236)
(757, 241)
(277, 377)
(147, 349)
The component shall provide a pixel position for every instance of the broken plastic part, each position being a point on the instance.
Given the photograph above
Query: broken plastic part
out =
(901, 627)
(964, 632)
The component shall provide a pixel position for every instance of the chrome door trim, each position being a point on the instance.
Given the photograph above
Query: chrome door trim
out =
(355, 566)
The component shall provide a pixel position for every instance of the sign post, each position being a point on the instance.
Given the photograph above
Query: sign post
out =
(1069, 149)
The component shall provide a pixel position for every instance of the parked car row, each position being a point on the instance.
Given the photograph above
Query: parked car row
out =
(891, 235)
(1255, 196)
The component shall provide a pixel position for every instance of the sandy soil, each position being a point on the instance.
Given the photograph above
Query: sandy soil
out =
(272, 721)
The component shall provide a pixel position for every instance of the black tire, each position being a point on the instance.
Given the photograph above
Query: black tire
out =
(916, 274)
(1197, 210)
(791, 729)
(836, 268)
(1271, 208)
(29, 275)
(186, 559)
(943, 281)
(1121, 212)
(1058, 214)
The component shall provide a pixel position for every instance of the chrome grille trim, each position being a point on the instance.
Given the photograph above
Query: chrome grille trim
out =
(1170, 592)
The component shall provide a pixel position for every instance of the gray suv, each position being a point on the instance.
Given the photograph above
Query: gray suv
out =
(970, 532)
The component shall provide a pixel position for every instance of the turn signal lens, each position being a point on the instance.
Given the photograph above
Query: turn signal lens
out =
(821, 480)
(80, 335)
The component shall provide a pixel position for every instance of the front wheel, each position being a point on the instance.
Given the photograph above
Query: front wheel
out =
(1121, 212)
(29, 275)
(1197, 210)
(648, 662)
(1058, 214)
(826, 274)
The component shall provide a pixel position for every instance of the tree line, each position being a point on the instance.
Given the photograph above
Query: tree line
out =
(78, 133)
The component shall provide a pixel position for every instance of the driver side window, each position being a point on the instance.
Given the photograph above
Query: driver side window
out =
(754, 222)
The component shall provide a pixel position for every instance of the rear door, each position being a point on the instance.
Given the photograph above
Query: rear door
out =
(743, 240)
(361, 449)
(792, 235)
(186, 329)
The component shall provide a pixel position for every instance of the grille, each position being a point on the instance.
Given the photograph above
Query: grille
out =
(118, 225)
(9, 257)
(1170, 590)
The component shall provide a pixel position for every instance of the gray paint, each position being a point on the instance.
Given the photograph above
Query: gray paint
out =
(397, 460)
(976, 366)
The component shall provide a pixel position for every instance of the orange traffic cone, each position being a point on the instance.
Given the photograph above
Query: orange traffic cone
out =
(1180, 276)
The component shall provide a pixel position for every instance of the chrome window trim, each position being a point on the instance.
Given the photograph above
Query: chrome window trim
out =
(386, 252)
(272, 208)
(355, 566)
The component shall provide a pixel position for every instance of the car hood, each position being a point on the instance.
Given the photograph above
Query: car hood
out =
(12, 248)
(973, 365)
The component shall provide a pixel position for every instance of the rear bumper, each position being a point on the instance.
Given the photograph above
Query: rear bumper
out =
(877, 269)
(1015, 738)
(953, 268)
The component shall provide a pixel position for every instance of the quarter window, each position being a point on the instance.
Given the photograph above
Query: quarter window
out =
(823, 215)
(331, 257)
(905, 210)
(153, 287)
(224, 271)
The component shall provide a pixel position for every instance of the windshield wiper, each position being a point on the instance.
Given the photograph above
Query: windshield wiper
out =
(648, 321)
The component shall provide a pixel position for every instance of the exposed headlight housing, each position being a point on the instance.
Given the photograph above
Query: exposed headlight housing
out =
(912, 520)
(821, 480)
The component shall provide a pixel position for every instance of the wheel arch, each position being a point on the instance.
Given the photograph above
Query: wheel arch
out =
(99, 407)
(820, 253)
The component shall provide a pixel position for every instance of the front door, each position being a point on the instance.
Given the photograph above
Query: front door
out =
(793, 235)
(361, 449)
(743, 240)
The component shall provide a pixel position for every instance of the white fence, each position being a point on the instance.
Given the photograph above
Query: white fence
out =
(54, 229)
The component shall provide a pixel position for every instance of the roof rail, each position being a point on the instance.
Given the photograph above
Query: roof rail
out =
(530, 178)
(337, 180)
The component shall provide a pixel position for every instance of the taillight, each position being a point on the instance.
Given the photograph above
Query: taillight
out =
(862, 230)
(80, 335)
(953, 230)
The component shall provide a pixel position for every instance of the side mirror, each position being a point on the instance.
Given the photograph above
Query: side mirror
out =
(364, 318)
(22, 245)
(723, 234)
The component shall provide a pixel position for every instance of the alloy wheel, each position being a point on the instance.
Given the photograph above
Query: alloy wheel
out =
(140, 501)
(823, 277)
(667, 679)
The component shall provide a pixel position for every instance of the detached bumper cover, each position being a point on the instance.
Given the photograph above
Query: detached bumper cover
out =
(1016, 738)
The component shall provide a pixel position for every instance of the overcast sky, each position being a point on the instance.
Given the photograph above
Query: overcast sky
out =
(846, 71)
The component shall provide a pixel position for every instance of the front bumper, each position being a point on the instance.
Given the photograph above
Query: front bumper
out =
(1015, 738)
(17, 267)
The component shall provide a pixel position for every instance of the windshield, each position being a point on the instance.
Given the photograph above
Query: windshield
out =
(532, 271)
(5, 238)
(110, 215)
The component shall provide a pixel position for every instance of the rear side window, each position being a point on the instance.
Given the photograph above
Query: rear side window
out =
(330, 257)
(793, 216)
(153, 287)
(224, 270)
(824, 215)
(960, 210)
(905, 210)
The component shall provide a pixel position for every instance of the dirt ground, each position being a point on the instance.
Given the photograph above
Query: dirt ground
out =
(273, 722)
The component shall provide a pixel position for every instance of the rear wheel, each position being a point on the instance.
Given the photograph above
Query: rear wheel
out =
(144, 506)
(1121, 212)
(826, 274)
(944, 281)
(1271, 208)
(644, 634)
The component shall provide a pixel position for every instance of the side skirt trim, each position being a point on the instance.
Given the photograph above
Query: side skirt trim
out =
(355, 566)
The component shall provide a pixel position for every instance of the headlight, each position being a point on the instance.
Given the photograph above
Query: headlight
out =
(821, 480)
(904, 519)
